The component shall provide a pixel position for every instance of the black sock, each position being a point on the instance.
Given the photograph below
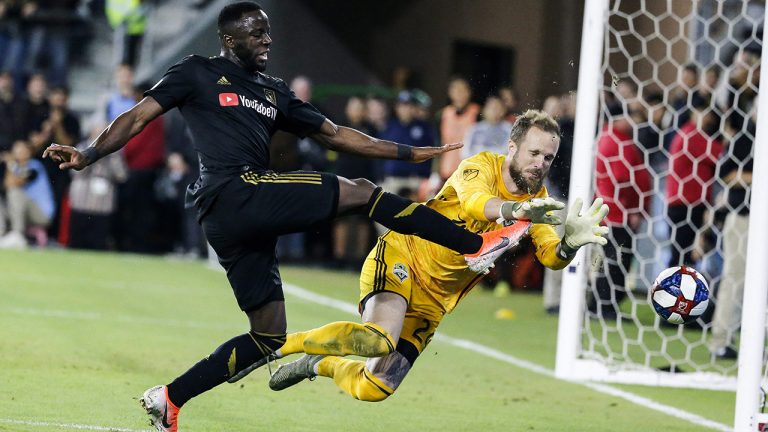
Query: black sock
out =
(407, 217)
(230, 358)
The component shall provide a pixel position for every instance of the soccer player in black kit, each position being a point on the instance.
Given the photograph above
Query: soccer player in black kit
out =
(233, 109)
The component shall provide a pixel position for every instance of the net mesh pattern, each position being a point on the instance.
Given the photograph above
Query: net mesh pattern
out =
(673, 160)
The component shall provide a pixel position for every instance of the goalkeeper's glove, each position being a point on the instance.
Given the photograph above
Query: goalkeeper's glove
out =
(583, 229)
(535, 210)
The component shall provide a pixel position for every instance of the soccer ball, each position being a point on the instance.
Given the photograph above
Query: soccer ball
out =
(680, 294)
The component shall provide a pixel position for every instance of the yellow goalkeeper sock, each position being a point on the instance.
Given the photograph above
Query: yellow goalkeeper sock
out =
(341, 338)
(352, 377)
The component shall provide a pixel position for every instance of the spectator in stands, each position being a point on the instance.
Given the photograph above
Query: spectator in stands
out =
(92, 197)
(688, 84)
(50, 25)
(739, 93)
(377, 113)
(405, 128)
(560, 172)
(123, 96)
(710, 81)
(351, 234)
(61, 127)
(145, 157)
(11, 122)
(34, 108)
(455, 121)
(491, 134)
(624, 183)
(182, 232)
(693, 156)
(128, 19)
(552, 106)
(511, 100)
(12, 38)
(423, 104)
(310, 156)
(181, 169)
(313, 156)
(29, 200)
(735, 170)
(650, 132)
(557, 185)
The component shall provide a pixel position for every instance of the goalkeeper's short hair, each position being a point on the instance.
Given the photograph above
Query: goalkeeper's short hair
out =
(533, 118)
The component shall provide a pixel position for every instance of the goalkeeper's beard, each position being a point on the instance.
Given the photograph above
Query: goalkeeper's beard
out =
(532, 187)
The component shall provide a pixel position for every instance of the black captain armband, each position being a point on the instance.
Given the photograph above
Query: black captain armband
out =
(404, 152)
(91, 155)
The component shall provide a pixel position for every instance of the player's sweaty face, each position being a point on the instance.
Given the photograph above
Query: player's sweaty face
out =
(252, 41)
(532, 159)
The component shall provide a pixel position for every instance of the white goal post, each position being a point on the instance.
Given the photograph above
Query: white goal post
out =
(753, 319)
(574, 359)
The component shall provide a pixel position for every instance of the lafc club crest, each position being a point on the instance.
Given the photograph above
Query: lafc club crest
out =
(271, 96)
(400, 271)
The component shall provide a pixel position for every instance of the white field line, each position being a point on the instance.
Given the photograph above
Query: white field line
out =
(524, 364)
(68, 426)
(351, 309)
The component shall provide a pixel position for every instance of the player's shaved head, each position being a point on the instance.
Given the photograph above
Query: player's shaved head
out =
(231, 14)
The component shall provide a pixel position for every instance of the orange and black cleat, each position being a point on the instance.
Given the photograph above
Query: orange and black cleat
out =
(163, 414)
(495, 243)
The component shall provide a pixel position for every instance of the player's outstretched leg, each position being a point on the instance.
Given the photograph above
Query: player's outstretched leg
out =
(341, 339)
(338, 338)
(407, 217)
(223, 363)
(363, 381)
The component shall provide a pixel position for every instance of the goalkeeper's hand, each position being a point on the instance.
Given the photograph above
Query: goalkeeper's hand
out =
(582, 229)
(535, 210)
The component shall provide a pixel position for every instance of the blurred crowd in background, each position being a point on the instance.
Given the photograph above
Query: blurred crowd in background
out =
(678, 156)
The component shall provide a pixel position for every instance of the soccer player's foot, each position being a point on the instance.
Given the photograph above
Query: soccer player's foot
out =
(495, 243)
(163, 414)
(294, 372)
(259, 363)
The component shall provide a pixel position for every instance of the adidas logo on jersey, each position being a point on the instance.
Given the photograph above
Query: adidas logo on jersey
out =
(223, 81)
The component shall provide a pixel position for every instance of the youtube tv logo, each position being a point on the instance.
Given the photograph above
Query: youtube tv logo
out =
(228, 99)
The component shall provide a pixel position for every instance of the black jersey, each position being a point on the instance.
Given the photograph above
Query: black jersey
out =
(232, 115)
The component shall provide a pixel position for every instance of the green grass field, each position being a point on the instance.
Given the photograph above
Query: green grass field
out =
(83, 335)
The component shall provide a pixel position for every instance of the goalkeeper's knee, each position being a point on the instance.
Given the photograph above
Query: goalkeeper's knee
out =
(368, 388)
(375, 341)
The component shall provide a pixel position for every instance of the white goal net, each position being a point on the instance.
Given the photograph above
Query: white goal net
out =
(666, 122)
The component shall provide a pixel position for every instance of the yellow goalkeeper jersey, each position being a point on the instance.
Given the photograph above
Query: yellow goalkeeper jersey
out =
(442, 273)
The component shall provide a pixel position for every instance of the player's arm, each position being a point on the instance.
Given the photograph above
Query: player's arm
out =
(115, 136)
(348, 140)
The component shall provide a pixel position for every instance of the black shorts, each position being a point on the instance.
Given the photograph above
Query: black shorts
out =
(248, 215)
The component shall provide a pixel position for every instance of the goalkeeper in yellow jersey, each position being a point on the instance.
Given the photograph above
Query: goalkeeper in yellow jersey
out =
(408, 284)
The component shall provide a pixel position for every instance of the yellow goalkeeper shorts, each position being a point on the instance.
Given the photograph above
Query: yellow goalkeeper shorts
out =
(387, 269)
